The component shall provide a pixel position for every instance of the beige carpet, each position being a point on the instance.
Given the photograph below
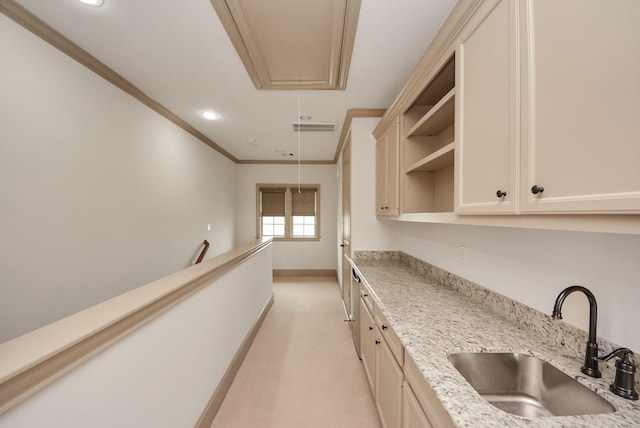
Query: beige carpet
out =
(302, 370)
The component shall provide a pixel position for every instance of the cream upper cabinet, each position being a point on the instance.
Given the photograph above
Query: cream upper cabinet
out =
(487, 116)
(581, 106)
(387, 202)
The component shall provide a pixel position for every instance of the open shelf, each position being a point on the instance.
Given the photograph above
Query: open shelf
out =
(438, 87)
(436, 161)
(438, 118)
(428, 146)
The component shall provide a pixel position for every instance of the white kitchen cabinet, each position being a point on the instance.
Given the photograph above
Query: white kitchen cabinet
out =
(368, 344)
(487, 117)
(559, 135)
(387, 202)
(540, 117)
(580, 122)
(426, 399)
(382, 355)
(400, 404)
(388, 393)
(412, 414)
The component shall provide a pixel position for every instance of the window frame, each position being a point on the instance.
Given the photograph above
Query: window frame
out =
(288, 216)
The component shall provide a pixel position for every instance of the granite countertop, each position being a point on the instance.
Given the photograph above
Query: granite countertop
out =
(434, 320)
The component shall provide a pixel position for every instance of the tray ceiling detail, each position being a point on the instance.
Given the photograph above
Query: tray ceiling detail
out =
(292, 44)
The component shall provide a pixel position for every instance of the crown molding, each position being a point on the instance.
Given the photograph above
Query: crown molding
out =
(346, 127)
(436, 55)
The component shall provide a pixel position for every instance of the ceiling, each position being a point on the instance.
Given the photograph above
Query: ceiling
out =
(178, 54)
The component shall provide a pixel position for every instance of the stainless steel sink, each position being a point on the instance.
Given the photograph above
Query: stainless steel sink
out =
(527, 386)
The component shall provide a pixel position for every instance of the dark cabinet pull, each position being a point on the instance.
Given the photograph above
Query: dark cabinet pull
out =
(537, 189)
(384, 327)
(377, 342)
(370, 328)
(501, 194)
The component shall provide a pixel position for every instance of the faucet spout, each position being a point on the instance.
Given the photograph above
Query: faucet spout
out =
(590, 367)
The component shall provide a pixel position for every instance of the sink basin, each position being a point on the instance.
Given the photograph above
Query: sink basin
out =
(527, 386)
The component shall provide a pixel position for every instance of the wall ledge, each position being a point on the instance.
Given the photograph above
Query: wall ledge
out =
(34, 360)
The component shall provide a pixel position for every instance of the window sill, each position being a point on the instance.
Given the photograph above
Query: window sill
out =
(290, 239)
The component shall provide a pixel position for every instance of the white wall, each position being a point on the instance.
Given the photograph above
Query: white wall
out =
(286, 254)
(163, 374)
(99, 194)
(533, 266)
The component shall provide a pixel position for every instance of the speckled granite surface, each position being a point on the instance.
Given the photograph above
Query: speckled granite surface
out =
(434, 320)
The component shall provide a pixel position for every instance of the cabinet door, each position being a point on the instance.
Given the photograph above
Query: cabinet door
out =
(487, 112)
(393, 136)
(368, 344)
(389, 379)
(387, 172)
(581, 75)
(381, 175)
(412, 414)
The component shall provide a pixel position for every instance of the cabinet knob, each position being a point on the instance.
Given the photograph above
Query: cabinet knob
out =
(501, 194)
(384, 327)
(365, 295)
(370, 328)
(377, 342)
(537, 189)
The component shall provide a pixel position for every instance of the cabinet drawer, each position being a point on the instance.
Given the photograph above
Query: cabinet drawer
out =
(389, 335)
(438, 416)
(367, 296)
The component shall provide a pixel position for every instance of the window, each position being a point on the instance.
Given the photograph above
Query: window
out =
(288, 212)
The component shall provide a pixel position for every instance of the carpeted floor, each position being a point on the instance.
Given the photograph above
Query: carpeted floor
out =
(302, 370)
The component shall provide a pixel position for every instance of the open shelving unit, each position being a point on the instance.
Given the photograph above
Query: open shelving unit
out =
(436, 161)
(428, 146)
(437, 118)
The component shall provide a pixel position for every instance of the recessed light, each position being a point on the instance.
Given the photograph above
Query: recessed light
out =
(92, 2)
(210, 115)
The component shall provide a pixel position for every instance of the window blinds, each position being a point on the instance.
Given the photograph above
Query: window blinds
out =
(303, 203)
(273, 201)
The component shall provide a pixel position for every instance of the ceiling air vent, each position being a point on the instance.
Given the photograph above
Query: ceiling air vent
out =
(314, 126)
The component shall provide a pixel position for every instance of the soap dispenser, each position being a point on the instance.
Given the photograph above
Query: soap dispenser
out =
(624, 383)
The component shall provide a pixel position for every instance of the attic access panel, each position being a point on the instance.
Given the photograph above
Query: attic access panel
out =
(292, 44)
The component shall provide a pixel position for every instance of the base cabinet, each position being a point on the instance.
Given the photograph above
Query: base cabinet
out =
(412, 414)
(368, 344)
(403, 397)
(425, 397)
(389, 379)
